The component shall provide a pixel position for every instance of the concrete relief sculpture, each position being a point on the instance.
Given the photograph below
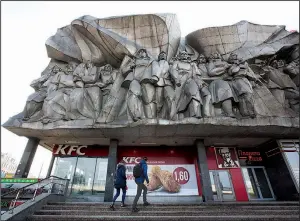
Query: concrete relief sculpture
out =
(239, 73)
(187, 100)
(165, 92)
(141, 92)
(221, 92)
(117, 71)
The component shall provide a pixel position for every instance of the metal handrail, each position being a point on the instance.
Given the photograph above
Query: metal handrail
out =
(11, 209)
(31, 185)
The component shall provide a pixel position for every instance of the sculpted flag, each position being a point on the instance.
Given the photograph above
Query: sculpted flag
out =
(245, 39)
(107, 40)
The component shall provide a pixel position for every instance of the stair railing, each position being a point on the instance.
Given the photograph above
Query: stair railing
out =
(50, 181)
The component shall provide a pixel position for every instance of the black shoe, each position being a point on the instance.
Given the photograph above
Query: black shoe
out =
(123, 205)
(146, 204)
(112, 207)
(135, 210)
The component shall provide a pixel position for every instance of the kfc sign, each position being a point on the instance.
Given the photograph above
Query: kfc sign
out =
(131, 160)
(70, 150)
(80, 150)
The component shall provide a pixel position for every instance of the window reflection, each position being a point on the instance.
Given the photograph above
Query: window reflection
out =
(291, 153)
(63, 167)
(100, 175)
(293, 159)
(87, 175)
(84, 176)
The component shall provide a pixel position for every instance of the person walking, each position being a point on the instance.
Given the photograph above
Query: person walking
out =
(120, 183)
(140, 176)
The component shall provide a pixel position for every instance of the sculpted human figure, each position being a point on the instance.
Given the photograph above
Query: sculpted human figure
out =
(141, 92)
(281, 85)
(106, 80)
(187, 98)
(207, 108)
(57, 103)
(164, 87)
(202, 65)
(86, 98)
(239, 72)
(35, 101)
(221, 92)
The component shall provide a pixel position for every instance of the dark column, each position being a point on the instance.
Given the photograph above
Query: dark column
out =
(50, 166)
(204, 172)
(27, 158)
(111, 167)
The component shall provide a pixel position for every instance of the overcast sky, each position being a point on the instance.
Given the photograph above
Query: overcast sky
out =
(25, 27)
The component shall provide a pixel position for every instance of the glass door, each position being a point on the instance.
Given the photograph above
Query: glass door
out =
(64, 167)
(257, 183)
(222, 185)
(84, 176)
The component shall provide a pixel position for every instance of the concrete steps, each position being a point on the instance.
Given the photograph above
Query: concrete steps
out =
(287, 211)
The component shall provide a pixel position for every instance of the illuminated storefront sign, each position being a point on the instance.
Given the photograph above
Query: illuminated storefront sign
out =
(79, 150)
(68, 150)
(249, 155)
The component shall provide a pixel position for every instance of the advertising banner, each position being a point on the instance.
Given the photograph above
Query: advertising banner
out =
(167, 176)
(226, 157)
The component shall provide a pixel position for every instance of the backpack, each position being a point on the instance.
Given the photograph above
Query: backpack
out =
(137, 170)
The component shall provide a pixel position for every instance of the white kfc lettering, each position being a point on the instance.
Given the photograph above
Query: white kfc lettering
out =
(61, 150)
(131, 159)
(78, 151)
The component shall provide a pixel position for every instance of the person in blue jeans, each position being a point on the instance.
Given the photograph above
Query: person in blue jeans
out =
(120, 183)
(141, 186)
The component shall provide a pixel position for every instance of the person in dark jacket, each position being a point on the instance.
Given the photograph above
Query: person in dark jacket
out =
(141, 186)
(120, 183)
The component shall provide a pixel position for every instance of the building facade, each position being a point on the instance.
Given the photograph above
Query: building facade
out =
(216, 113)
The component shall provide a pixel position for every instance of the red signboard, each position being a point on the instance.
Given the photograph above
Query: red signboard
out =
(236, 175)
(80, 150)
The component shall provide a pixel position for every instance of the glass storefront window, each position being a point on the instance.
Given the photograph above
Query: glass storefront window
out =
(290, 150)
(100, 175)
(87, 175)
(64, 167)
(84, 176)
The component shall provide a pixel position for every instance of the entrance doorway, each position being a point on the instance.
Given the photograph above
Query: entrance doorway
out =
(257, 183)
(221, 184)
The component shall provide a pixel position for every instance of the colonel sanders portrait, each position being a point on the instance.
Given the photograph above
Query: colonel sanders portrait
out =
(226, 158)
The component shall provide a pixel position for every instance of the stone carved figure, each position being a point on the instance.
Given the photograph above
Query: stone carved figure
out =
(239, 73)
(202, 65)
(106, 79)
(35, 101)
(164, 87)
(141, 92)
(207, 109)
(221, 92)
(281, 85)
(187, 98)
(86, 97)
(57, 103)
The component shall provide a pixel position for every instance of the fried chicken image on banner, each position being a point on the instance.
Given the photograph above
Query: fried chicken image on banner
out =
(154, 182)
(166, 178)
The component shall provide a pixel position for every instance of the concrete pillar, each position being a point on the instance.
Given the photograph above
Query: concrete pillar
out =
(204, 172)
(27, 158)
(50, 166)
(111, 167)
